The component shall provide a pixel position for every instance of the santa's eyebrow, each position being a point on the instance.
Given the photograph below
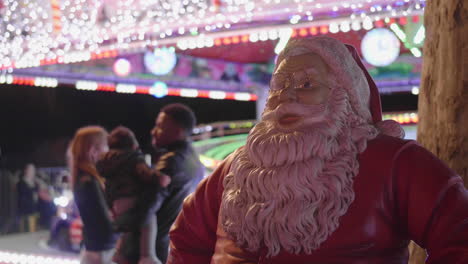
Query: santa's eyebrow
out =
(312, 71)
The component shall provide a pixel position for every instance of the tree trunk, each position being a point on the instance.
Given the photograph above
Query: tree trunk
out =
(443, 97)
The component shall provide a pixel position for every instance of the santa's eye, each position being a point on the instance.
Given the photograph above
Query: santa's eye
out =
(307, 85)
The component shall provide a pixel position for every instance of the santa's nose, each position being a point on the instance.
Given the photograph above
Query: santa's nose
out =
(287, 95)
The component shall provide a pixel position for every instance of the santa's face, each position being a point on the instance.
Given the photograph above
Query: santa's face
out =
(298, 91)
(293, 180)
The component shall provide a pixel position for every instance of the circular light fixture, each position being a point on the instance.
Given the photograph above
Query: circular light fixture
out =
(160, 61)
(122, 67)
(159, 89)
(380, 47)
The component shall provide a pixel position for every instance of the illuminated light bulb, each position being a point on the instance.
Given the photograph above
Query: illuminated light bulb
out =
(379, 23)
(226, 41)
(273, 34)
(416, 52)
(356, 25)
(188, 92)
(86, 85)
(192, 44)
(406, 118)
(125, 88)
(323, 29)
(200, 43)
(313, 31)
(253, 37)
(242, 96)
(334, 28)
(235, 39)
(209, 42)
(263, 36)
(9, 79)
(295, 19)
(159, 89)
(367, 23)
(344, 26)
(303, 32)
(217, 95)
(420, 35)
(400, 33)
(182, 44)
(122, 67)
(284, 36)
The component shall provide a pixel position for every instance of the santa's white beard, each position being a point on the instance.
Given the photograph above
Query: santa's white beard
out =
(287, 190)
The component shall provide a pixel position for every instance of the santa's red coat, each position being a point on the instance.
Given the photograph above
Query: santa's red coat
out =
(402, 191)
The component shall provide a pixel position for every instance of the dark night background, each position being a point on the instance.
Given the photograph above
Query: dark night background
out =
(37, 122)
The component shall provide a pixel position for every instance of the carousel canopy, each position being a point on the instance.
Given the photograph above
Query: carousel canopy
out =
(134, 37)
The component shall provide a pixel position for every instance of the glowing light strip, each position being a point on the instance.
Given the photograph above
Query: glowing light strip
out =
(284, 36)
(403, 118)
(86, 85)
(56, 15)
(397, 30)
(242, 96)
(217, 95)
(416, 52)
(24, 258)
(45, 82)
(420, 35)
(209, 162)
(8, 79)
(212, 38)
(188, 92)
(127, 88)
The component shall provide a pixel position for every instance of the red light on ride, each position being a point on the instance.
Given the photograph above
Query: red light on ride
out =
(217, 42)
(379, 23)
(402, 21)
(406, 119)
(226, 41)
(235, 39)
(313, 31)
(324, 29)
(294, 33)
(303, 32)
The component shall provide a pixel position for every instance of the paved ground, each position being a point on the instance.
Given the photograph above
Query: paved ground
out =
(31, 247)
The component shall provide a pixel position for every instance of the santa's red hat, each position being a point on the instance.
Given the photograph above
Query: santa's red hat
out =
(350, 72)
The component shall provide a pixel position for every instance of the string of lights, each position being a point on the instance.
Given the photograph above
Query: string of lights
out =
(42, 32)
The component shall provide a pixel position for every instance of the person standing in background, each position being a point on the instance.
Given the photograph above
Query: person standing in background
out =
(88, 189)
(176, 158)
(27, 189)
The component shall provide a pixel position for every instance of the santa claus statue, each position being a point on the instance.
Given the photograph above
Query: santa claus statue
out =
(322, 179)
